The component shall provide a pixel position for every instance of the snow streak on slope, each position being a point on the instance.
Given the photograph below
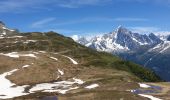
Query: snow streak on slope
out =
(158, 49)
(54, 58)
(17, 55)
(72, 60)
(149, 96)
(162, 47)
(61, 72)
(25, 66)
(92, 86)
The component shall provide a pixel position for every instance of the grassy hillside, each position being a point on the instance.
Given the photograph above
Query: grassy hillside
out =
(54, 42)
(113, 75)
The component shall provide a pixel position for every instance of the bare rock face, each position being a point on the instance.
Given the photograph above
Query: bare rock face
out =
(5, 31)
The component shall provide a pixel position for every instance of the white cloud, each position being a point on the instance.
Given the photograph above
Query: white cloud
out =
(99, 19)
(18, 5)
(144, 30)
(88, 35)
(75, 37)
(53, 21)
(131, 19)
(162, 33)
(41, 23)
(147, 30)
(78, 3)
(14, 6)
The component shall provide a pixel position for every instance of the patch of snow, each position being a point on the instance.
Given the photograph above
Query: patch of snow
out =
(61, 72)
(7, 29)
(28, 41)
(36, 53)
(92, 86)
(6, 87)
(72, 60)
(60, 87)
(15, 37)
(165, 48)
(149, 96)
(133, 91)
(18, 36)
(12, 54)
(16, 55)
(62, 91)
(1, 37)
(29, 55)
(139, 41)
(79, 81)
(144, 85)
(25, 66)
(54, 58)
(42, 51)
(56, 53)
(4, 33)
(16, 42)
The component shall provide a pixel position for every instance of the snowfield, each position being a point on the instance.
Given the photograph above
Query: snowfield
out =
(10, 90)
(6, 89)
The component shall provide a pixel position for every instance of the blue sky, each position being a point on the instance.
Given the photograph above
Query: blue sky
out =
(86, 17)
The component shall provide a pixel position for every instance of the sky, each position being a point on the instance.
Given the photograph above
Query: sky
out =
(86, 17)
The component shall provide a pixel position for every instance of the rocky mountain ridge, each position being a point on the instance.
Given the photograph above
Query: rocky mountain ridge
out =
(139, 48)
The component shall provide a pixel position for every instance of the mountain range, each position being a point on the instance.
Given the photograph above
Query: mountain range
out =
(149, 50)
(50, 66)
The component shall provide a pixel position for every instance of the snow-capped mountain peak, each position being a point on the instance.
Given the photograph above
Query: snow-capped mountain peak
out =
(120, 40)
(122, 30)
